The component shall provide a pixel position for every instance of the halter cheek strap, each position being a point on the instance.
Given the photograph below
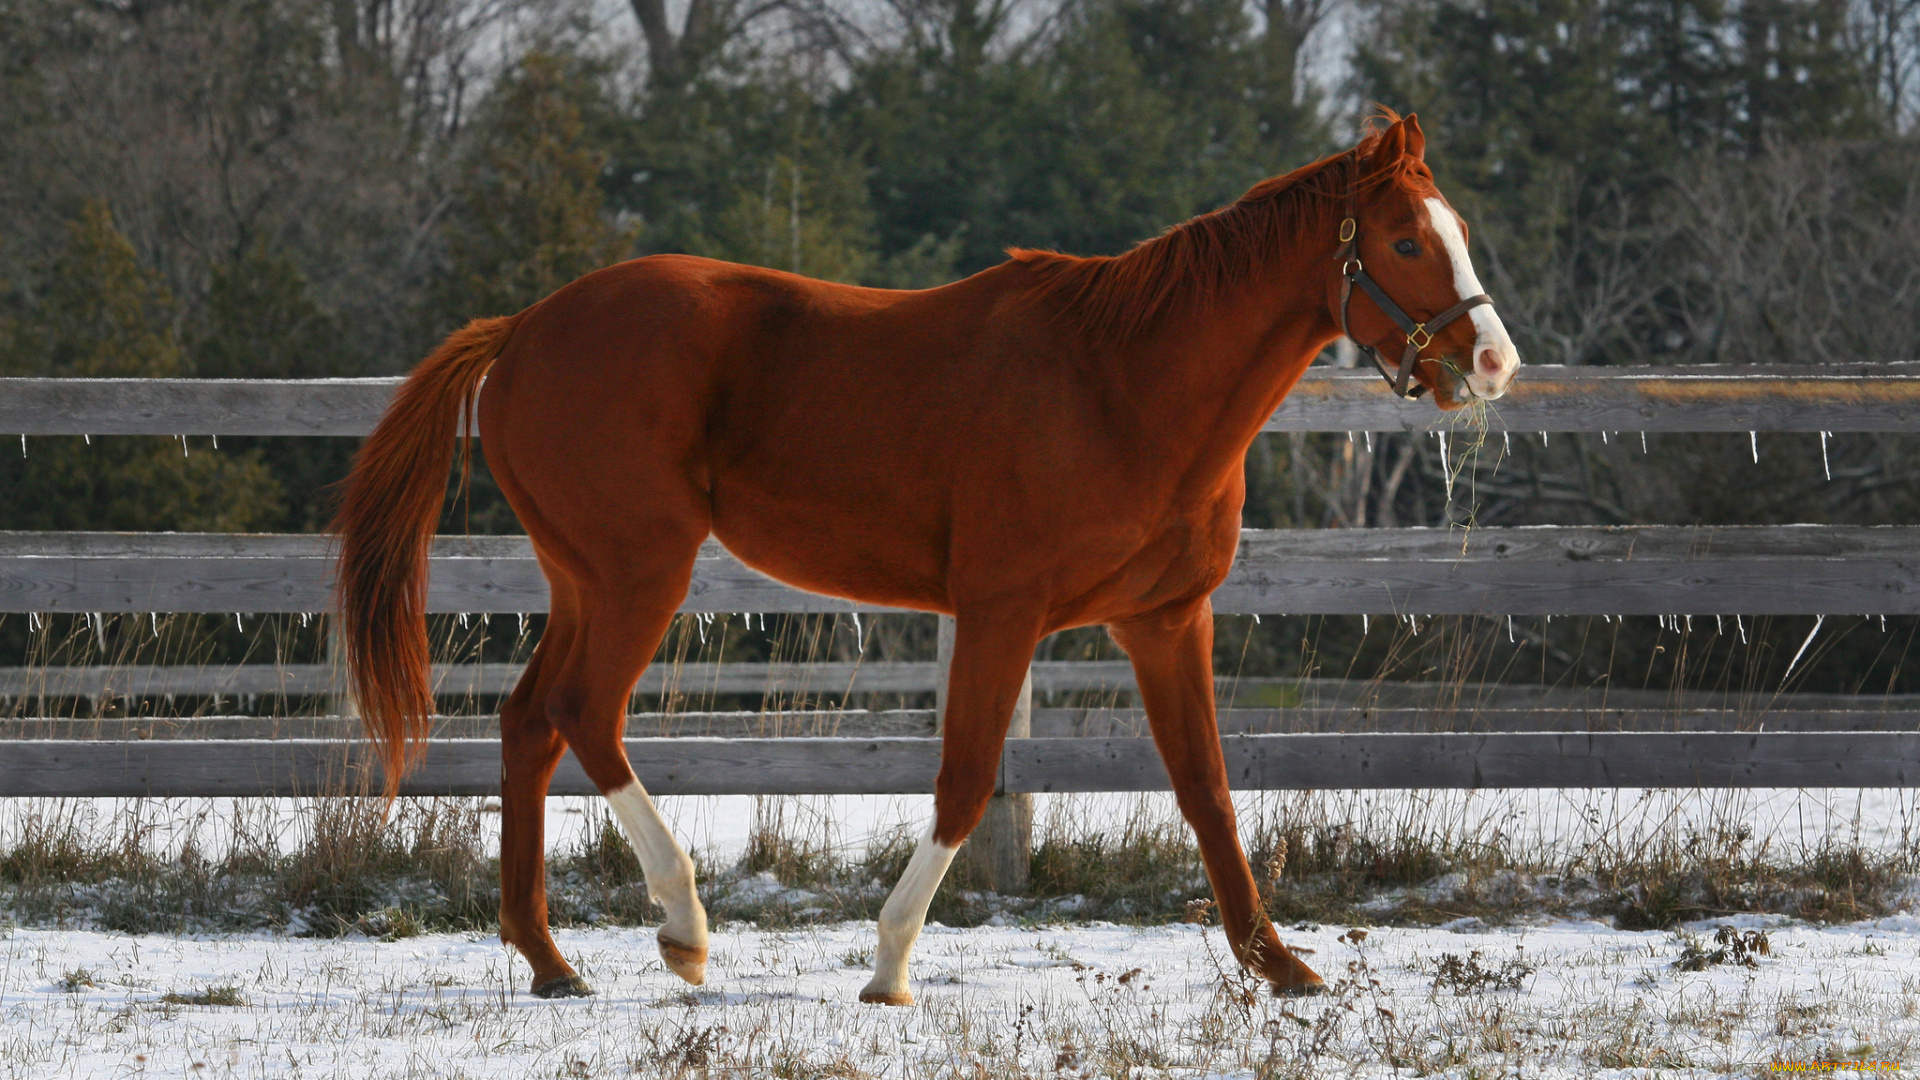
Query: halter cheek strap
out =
(1418, 334)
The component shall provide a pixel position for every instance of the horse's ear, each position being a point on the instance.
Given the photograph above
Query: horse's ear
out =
(1416, 139)
(1385, 149)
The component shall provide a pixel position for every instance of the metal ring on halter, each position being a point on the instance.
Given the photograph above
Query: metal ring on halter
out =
(1352, 266)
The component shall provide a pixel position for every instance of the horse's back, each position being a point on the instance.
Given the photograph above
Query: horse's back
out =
(844, 440)
(762, 403)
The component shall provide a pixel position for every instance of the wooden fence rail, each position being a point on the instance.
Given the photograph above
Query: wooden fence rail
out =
(851, 766)
(463, 680)
(1543, 570)
(695, 680)
(1390, 572)
(1083, 723)
(1854, 397)
(785, 681)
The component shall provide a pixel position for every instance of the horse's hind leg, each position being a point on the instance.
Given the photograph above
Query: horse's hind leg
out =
(1172, 654)
(530, 748)
(990, 660)
(624, 611)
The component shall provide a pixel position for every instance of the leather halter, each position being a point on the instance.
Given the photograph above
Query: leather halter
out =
(1419, 334)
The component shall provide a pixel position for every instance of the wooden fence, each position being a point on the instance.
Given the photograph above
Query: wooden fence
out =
(1384, 573)
(1544, 570)
(1852, 397)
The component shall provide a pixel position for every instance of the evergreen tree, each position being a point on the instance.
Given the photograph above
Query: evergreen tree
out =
(1135, 115)
(102, 314)
(1800, 75)
(532, 215)
(1565, 130)
(760, 173)
(261, 322)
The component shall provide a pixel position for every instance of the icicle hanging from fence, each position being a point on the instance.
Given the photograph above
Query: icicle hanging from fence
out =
(1791, 664)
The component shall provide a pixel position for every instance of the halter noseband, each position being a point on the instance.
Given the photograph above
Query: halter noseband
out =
(1419, 334)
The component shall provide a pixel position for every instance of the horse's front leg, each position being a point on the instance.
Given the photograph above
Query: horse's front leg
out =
(1172, 654)
(991, 654)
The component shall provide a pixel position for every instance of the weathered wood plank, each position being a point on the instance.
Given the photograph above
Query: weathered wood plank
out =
(1473, 761)
(347, 407)
(851, 723)
(1884, 397)
(1635, 570)
(290, 767)
(1550, 543)
(899, 766)
(1111, 724)
(1050, 676)
(1047, 723)
(459, 680)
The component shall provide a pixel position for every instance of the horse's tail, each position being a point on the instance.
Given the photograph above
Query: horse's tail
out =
(389, 506)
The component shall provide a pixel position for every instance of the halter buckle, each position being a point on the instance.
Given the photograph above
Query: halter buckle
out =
(1419, 338)
(1347, 229)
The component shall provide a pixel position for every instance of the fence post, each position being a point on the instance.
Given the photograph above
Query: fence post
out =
(998, 856)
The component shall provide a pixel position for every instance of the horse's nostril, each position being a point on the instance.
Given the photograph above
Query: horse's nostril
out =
(1489, 361)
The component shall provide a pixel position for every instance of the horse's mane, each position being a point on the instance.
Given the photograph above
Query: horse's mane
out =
(1113, 297)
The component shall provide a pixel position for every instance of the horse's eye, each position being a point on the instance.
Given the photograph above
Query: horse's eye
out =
(1406, 247)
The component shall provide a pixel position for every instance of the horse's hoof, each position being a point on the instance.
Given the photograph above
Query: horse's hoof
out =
(687, 961)
(885, 997)
(1300, 989)
(563, 986)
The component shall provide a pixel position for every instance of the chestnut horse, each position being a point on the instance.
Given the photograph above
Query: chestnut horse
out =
(1054, 442)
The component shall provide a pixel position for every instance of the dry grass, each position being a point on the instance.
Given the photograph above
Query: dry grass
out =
(340, 867)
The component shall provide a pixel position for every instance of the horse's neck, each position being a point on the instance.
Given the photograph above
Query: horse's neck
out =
(1211, 373)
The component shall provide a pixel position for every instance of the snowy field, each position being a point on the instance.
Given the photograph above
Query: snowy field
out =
(1548, 999)
(1555, 1000)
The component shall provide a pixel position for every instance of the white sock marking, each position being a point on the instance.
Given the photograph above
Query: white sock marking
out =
(669, 871)
(905, 913)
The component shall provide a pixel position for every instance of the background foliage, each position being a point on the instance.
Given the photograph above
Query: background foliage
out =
(297, 188)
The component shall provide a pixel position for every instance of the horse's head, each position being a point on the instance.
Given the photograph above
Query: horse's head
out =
(1406, 291)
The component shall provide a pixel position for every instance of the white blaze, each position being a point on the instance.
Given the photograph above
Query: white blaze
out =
(1490, 334)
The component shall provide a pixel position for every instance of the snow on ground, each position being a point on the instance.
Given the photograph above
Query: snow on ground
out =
(1070, 1002)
